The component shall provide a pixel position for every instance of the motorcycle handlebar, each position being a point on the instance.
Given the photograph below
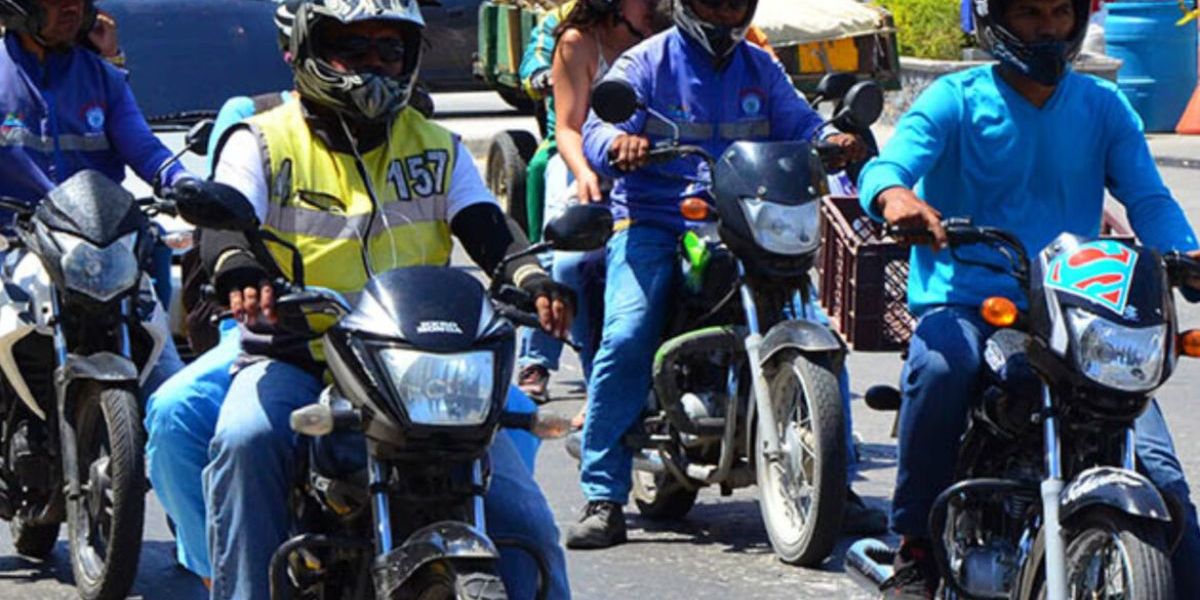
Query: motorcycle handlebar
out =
(1181, 268)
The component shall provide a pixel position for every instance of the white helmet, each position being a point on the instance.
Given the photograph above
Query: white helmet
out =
(717, 40)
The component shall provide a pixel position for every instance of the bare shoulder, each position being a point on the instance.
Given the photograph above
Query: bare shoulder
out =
(576, 47)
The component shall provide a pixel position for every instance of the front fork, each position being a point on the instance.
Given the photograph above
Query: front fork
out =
(381, 506)
(768, 444)
(1052, 485)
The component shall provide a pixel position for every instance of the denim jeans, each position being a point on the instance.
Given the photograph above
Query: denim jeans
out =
(251, 469)
(941, 376)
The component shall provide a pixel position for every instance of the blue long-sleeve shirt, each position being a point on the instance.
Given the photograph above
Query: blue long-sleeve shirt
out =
(751, 98)
(74, 111)
(971, 146)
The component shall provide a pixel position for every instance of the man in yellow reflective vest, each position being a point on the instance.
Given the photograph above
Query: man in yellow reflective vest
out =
(347, 165)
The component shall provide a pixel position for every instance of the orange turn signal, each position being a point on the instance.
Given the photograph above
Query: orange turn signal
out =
(694, 209)
(1189, 343)
(999, 312)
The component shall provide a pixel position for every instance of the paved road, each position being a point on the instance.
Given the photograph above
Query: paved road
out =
(719, 551)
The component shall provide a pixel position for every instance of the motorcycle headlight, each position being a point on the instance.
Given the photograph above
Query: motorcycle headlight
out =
(101, 273)
(1125, 358)
(790, 230)
(442, 389)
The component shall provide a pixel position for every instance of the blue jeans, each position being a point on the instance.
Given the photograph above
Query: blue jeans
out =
(941, 376)
(180, 419)
(251, 470)
(641, 273)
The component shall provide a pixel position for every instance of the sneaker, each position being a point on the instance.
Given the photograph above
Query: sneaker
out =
(602, 526)
(914, 572)
(860, 519)
(533, 380)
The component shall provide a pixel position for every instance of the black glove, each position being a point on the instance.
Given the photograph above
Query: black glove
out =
(211, 205)
(540, 284)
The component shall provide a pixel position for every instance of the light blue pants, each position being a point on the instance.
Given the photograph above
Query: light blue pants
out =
(180, 418)
(251, 470)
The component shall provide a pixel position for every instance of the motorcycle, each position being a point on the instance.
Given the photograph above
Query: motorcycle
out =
(420, 368)
(80, 331)
(1048, 501)
(745, 386)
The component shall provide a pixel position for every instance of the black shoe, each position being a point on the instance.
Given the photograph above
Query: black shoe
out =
(602, 526)
(914, 573)
(860, 519)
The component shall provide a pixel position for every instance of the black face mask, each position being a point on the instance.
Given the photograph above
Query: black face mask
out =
(1044, 62)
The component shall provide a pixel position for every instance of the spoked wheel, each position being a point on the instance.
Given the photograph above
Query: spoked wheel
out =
(661, 495)
(507, 158)
(104, 523)
(444, 580)
(802, 494)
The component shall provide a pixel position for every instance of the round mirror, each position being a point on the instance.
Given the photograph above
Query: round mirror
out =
(864, 104)
(614, 100)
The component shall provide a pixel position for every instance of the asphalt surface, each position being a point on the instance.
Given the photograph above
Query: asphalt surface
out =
(721, 549)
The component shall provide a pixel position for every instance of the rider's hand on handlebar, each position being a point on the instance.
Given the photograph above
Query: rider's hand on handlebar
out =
(1194, 281)
(250, 303)
(630, 152)
(902, 209)
(854, 149)
(555, 303)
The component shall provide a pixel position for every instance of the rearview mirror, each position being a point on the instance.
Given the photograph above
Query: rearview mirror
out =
(614, 100)
(833, 86)
(581, 227)
(197, 137)
(861, 107)
(221, 208)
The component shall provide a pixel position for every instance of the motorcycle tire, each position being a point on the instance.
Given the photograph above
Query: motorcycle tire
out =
(507, 159)
(661, 495)
(34, 541)
(104, 525)
(809, 413)
(1146, 558)
(446, 580)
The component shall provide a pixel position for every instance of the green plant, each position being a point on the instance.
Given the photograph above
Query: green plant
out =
(927, 28)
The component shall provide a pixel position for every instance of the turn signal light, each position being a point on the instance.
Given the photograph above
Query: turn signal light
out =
(1189, 343)
(999, 312)
(694, 209)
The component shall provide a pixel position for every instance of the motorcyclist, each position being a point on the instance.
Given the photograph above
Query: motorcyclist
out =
(66, 109)
(352, 142)
(718, 89)
(1028, 146)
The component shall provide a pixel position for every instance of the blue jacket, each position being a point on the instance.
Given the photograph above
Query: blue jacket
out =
(751, 98)
(971, 146)
(70, 113)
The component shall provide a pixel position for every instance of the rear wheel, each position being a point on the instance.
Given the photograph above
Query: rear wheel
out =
(104, 524)
(802, 494)
(508, 157)
(661, 495)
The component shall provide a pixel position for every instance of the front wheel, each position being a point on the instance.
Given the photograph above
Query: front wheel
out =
(802, 493)
(104, 524)
(446, 580)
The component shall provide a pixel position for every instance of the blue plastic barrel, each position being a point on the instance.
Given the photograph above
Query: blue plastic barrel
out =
(1159, 70)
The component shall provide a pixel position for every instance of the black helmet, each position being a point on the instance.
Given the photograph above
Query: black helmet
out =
(1043, 62)
(285, 16)
(718, 40)
(28, 17)
(363, 97)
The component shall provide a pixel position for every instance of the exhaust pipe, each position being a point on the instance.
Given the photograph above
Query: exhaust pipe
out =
(643, 460)
(869, 563)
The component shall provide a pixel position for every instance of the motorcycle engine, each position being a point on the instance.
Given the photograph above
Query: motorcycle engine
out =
(988, 570)
(697, 407)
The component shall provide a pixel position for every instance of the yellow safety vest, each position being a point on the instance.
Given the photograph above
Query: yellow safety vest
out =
(319, 203)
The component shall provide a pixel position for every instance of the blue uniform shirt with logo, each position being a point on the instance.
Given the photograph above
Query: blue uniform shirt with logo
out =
(971, 146)
(71, 112)
(750, 98)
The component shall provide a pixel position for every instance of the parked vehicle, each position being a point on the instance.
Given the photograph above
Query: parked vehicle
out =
(745, 388)
(80, 331)
(1049, 503)
(421, 367)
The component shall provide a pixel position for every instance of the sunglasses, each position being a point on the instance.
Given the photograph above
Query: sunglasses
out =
(358, 47)
(718, 4)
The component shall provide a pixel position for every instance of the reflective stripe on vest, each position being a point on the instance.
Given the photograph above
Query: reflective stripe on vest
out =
(68, 142)
(758, 128)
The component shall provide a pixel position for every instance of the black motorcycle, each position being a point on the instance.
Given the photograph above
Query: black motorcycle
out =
(1048, 501)
(421, 367)
(745, 386)
(80, 330)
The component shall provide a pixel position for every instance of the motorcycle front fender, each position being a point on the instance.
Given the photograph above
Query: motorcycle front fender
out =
(101, 366)
(1120, 489)
(804, 336)
(447, 540)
